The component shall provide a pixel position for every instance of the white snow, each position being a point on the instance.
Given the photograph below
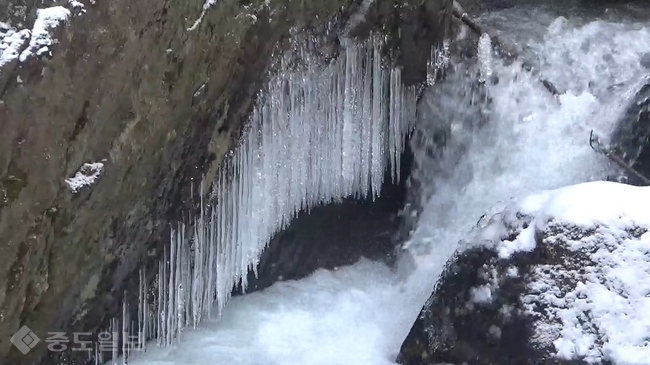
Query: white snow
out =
(206, 5)
(600, 203)
(524, 242)
(11, 42)
(25, 43)
(605, 315)
(512, 272)
(481, 294)
(77, 6)
(87, 175)
(360, 315)
(41, 40)
(584, 205)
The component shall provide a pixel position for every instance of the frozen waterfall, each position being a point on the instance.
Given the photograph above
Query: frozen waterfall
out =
(317, 135)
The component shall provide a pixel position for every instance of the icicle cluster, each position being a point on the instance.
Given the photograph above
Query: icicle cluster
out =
(485, 57)
(129, 335)
(317, 135)
(438, 62)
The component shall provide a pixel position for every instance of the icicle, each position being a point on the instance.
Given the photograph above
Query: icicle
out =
(438, 61)
(114, 330)
(485, 57)
(142, 301)
(125, 332)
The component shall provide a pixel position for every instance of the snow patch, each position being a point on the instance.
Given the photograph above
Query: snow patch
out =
(206, 5)
(41, 40)
(78, 6)
(11, 42)
(512, 272)
(87, 175)
(23, 44)
(525, 242)
(584, 205)
(481, 294)
(603, 315)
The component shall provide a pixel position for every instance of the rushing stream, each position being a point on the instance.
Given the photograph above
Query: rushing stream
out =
(531, 141)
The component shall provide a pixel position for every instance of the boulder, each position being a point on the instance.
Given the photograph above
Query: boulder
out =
(560, 277)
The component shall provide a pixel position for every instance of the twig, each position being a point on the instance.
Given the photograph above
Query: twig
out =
(596, 145)
(501, 47)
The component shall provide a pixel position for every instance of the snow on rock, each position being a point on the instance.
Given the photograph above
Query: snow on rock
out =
(77, 6)
(206, 6)
(87, 175)
(22, 44)
(41, 40)
(561, 276)
(11, 42)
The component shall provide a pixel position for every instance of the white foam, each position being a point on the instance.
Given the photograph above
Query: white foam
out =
(331, 317)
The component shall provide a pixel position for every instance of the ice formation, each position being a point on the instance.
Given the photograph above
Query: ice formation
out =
(317, 135)
(485, 56)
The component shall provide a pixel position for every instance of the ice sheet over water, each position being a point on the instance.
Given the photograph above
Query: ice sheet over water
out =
(360, 314)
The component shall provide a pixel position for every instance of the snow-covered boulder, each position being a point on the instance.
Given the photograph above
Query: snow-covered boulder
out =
(560, 277)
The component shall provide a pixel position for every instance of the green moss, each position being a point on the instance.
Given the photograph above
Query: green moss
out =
(12, 183)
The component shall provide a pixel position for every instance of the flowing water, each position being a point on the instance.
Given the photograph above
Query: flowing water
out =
(524, 140)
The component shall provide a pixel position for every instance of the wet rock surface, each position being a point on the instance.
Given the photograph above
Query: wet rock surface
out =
(631, 138)
(550, 289)
(129, 86)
